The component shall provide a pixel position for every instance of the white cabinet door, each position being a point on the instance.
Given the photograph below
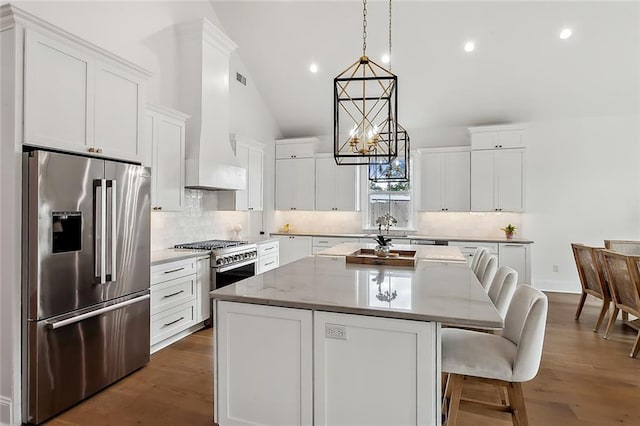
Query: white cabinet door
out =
(483, 181)
(509, 164)
(325, 184)
(167, 136)
(118, 113)
(516, 256)
(294, 247)
(58, 95)
(254, 182)
(432, 171)
(354, 354)
(264, 358)
(295, 184)
(242, 196)
(457, 181)
(203, 287)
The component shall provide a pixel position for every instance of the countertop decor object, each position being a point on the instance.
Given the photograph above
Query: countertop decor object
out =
(394, 257)
(382, 248)
(365, 117)
(509, 230)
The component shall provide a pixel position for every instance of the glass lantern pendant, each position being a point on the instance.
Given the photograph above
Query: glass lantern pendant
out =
(396, 170)
(365, 100)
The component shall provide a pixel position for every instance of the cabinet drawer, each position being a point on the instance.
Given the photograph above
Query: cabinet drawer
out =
(172, 321)
(268, 263)
(172, 293)
(266, 249)
(171, 270)
(331, 241)
(471, 246)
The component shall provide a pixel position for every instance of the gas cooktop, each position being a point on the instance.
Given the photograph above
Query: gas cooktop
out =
(211, 244)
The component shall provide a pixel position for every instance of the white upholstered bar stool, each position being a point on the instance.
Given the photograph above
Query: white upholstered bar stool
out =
(487, 270)
(502, 288)
(506, 360)
(475, 260)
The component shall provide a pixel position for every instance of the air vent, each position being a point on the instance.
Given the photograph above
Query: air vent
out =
(241, 78)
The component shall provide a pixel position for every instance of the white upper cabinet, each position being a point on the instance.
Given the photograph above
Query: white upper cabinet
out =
(498, 137)
(165, 131)
(80, 98)
(336, 186)
(295, 174)
(250, 155)
(445, 179)
(497, 180)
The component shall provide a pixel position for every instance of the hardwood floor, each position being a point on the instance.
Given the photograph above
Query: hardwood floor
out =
(583, 380)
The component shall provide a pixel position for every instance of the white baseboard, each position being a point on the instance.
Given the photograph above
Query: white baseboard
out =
(557, 286)
(184, 333)
(6, 411)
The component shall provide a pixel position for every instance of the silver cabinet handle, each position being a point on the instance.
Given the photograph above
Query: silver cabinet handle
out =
(57, 324)
(173, 322)
(270, 263)
(100, 212)
(173, 270)
(172, 294)
(114, 227)
(269, 248)
(514, 245)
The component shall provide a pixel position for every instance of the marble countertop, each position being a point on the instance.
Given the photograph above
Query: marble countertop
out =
(515, 240)
(446, 292)
(433, 253)
(169, 255)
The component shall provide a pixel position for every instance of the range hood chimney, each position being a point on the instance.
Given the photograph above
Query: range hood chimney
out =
(204, 94)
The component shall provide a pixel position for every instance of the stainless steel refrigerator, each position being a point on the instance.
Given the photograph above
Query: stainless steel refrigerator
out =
(85, 277)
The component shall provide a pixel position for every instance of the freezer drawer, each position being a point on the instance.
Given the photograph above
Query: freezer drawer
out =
(71, 358)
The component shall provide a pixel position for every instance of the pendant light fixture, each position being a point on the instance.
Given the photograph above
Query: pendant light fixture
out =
(396, 170)
(365, 103)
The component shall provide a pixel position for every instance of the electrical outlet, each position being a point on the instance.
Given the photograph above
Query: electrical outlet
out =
(332, 331)
(556, 268)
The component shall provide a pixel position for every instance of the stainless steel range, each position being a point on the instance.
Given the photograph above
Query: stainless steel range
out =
(231, 261)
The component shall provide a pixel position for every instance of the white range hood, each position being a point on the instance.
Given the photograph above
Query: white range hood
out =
(204, 94)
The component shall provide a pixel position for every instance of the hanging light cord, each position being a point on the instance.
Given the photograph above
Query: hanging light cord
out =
(364, 27)
(389, 34)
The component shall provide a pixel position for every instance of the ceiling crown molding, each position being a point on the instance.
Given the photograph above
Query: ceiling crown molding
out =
(204, 30)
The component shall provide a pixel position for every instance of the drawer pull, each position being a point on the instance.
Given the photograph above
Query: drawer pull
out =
(173, 294)
(269, 248)
(470, 247)
(270, 263)
(173, 322)
(173, 270)
(323, 242)
(513, 245)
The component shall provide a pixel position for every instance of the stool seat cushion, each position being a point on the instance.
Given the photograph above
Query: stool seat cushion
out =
(472, 353)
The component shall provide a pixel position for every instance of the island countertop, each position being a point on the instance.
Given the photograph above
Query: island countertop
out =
(446, 292)
(434, 253)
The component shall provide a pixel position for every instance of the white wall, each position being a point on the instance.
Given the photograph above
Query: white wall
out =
(141, 32)
(583, 185)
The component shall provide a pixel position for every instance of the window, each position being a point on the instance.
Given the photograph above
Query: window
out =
(389, 197)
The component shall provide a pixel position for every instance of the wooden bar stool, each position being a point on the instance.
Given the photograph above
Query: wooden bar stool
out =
(504, 361)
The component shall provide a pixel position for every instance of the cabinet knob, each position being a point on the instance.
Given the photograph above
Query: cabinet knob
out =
(92, 149)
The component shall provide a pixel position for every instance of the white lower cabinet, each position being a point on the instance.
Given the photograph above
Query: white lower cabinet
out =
(374, 371)
(517, 256)
(284, 366)
(268, 256)
(294, 247)
(468, 248)
(179, 299)
(264, 365)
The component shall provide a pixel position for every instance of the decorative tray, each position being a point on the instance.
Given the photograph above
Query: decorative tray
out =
(395, 258)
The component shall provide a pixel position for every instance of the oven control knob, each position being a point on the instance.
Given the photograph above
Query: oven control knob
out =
(220, 261)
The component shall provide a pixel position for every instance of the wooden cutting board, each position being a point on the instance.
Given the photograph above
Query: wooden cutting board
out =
(395, 258)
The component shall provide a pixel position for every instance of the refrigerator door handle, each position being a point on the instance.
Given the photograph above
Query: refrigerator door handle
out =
(111, 184)
(100, 249)
(58, 324)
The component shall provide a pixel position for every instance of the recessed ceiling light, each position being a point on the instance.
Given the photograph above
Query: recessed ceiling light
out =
(386, 58)
(565, 33)
(469, 46)
(313, 68)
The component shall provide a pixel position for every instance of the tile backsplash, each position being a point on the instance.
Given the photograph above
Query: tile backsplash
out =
(200, 220)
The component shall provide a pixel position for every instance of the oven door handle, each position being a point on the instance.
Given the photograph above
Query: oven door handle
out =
(226, 268)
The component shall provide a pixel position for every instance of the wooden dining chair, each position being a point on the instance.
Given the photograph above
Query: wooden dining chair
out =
(623, 246)
(624, 278)
(505, 360)
(592, 279)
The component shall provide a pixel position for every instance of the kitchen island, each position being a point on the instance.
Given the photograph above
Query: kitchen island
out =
(320, 341)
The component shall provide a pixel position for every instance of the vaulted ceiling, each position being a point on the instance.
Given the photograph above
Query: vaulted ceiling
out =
(519, 71)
